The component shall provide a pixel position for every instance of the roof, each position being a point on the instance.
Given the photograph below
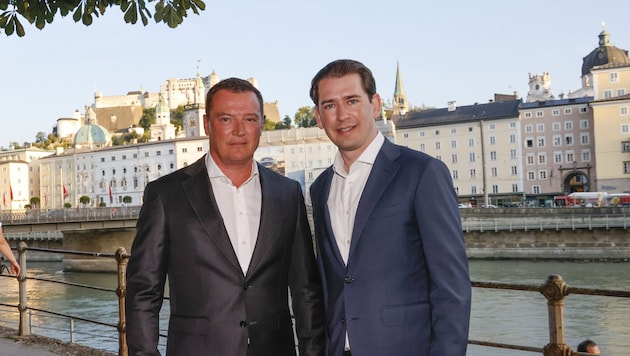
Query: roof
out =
(604, 54)
(461, 114)
(558, 102)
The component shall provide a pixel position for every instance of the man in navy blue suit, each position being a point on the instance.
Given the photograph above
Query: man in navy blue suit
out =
(390, 245)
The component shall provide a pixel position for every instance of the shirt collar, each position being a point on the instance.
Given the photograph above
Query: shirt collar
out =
(215, 172)
(368, 156)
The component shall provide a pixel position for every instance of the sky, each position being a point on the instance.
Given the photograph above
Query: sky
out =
(464, 51)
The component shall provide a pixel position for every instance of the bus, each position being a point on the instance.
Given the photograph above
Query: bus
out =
(577, 199)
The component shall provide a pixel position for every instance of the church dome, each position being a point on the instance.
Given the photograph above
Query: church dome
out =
(606, 53)
(91, 134)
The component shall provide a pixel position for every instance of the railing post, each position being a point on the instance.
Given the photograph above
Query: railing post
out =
(555, 290)
(24, 328)
(122, 257)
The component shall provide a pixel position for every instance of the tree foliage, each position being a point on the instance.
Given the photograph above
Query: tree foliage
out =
(305, 117)
(42, 12)
(84, 200)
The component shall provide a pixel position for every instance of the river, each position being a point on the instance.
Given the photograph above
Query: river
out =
(510, 317)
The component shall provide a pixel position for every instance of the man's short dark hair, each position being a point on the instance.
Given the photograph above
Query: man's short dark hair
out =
(235, 85)
(584, 345)
(340, 68)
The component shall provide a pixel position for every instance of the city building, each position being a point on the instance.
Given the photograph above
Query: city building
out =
(19, 176)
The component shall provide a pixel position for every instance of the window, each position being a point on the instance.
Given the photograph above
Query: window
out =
(530, 159)
(158, 153)
(568, 125)
(557, 157)
(513, 125)
(568, 111)
(514, 188)
(586, 155)
(492, 127)
(113, 158)
(540, 127)
(625, 128)
(454, 158)
(471, 157)
(583, 110)
(494, 171)
(557, 140)
(607, 94)
(623, 111)
(124, 156)
(437, 132)
(512, 138)
(437, 145)
(584, 124)
(513, 154)
(555, 126)
(493, 140)
(470, 129)
(542, 158)
(542, 175)
(585, 138)
(514, 170)
(541, 141)
(405, 135)
(455, 174)
(453, 130)
(540, 114)
(453, 144)
(621, 92)
(495, 188)
(529, 128)
(493, 155)
(473, 189)
(146, 154)
(184, 150)
(570, 157)
(102, 159)
(473, 173)
(529, 142)
(536, 189)
(568, 139)
(422, 147)
(471, 142)
(170, 152)
(555, 112)
(528, 115)
(421, 133)
(625, 146)
(614, 77)
(626, 167)
(531, 175)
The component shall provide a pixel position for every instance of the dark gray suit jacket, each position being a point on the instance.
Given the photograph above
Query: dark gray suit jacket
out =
(215, 309)
(406, 288)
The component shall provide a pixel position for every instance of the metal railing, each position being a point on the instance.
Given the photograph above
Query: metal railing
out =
(35, 216)
(516, 222)
(554, 290)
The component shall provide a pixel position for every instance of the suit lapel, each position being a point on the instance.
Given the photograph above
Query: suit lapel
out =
(199, 192)
(327, 177)
(385, 168)
(268, 220)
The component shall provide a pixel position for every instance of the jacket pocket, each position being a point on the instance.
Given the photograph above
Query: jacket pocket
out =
(188, 325)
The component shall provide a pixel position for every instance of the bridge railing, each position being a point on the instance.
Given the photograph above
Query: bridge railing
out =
(554, 289)
(34, 216)
(518, 222)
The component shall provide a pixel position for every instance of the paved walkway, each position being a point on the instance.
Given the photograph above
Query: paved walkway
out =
(34, 345)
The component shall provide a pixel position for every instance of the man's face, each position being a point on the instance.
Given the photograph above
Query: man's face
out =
(346, 113)
(234, 126)
(593, 349)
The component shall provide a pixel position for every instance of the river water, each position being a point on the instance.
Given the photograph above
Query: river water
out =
(509, 317)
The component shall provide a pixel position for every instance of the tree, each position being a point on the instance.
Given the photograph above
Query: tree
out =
(67, 205)
(84, 200)
(35, 201)
(177, 118)
(127, 199)
(305, 117)
(269, 125)
(287, 121)
(40, 13)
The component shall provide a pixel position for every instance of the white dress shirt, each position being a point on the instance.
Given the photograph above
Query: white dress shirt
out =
(346, 190)
(240, 209)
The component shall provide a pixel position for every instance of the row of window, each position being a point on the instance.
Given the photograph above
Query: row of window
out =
(569, 157)
(556, 126)
(554, 112)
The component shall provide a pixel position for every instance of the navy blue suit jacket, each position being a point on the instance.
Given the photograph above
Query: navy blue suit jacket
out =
(406, 287)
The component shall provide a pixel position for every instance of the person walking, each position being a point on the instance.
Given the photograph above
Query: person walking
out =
(5, 250)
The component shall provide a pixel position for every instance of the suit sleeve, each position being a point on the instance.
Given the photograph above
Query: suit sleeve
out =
(146, 275)
(439, 222)
(305, 285)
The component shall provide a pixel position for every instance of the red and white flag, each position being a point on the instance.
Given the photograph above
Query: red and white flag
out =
(65, 192)
(111, 195)
(11, 192)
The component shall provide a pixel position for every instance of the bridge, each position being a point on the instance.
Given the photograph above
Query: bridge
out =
(553, 233)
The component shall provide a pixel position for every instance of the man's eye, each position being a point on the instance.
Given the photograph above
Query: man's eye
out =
(353, 101)
(329, 106)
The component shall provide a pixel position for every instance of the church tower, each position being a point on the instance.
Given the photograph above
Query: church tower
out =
(162, 129)
(400, 104)
(539, 88)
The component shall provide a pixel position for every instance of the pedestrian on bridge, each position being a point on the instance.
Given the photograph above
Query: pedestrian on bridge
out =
(5, 250)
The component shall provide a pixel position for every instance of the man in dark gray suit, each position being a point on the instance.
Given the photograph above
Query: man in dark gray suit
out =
(232, 237)
(390, 245)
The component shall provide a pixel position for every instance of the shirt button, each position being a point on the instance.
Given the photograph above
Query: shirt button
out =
(243, 323)
(349, 280)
